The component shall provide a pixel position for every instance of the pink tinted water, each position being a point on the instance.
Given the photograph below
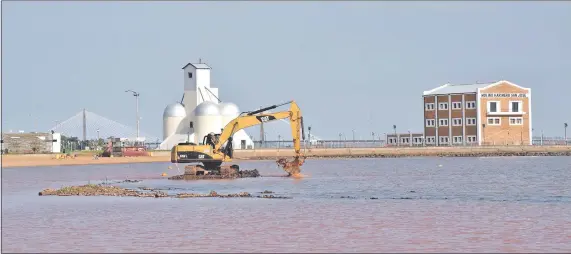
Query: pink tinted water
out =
(421, 205)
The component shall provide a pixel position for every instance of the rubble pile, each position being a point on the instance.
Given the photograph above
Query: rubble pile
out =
(224, 174)
(104, 190)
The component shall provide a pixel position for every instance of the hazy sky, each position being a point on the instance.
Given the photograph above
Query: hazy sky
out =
(349, 65)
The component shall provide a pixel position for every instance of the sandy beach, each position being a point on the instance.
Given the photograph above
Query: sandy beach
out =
(50, 160)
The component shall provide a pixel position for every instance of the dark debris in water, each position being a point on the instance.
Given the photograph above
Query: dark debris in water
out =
(241, 174)
(106, 190)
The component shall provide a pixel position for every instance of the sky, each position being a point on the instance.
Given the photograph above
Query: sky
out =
(359, 66)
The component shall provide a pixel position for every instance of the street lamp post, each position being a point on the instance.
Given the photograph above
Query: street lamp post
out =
(309, 135)
(396, 136)
(137, 102)
(565, 126)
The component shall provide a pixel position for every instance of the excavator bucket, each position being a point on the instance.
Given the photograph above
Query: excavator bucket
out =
(292, 167)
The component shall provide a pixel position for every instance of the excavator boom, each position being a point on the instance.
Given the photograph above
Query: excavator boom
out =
(249, 119)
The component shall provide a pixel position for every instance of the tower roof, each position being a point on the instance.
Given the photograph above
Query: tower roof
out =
(197, 66)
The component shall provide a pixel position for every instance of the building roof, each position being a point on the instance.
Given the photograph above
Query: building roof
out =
(467, 88)
(197, 66)
(457, 88)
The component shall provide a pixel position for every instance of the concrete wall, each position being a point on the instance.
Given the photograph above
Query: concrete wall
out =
(27, 142)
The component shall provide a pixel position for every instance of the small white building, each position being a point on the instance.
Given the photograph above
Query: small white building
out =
(201, 106)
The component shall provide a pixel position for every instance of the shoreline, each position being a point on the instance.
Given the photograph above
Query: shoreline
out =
(36, 160)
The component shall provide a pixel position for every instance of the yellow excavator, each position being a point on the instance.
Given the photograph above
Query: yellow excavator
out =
(217, 148)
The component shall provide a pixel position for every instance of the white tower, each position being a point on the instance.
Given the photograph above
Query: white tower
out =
(200, 105)
(197, 86)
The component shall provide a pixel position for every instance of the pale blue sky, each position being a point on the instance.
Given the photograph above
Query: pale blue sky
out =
(350, 65)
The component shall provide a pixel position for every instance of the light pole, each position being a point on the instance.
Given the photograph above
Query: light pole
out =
(309, 135)
(396, 136)
(353, 135)
(565, 126)
(137, 102)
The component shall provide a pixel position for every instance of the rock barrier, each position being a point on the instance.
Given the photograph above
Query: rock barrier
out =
(429, 154)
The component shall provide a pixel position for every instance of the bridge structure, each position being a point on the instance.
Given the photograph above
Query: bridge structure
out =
(87, 125)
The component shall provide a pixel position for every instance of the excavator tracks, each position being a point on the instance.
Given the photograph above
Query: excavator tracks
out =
(198, 172)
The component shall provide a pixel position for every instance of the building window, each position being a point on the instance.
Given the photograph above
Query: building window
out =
(457, 121)
(470, 105)
(429, 106)
(456, 105)
(493, 106)
(457, 139)
(443, 140)
(471, 121)
(515, 106)
(516, 120)
(443, 106)
(190, 75)
(471, 139)
(417, 140)
(392, 140)
(405, 140)
(494, 121)
(430, 122)
(430, 140)
(443, 122)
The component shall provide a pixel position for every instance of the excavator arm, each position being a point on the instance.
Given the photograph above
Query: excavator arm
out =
(248, 119)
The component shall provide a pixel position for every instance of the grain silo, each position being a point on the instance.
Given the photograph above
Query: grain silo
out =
(228, 112)
(172, 116)
(207, 119)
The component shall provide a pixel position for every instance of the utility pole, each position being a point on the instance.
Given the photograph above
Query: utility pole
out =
(137, 104)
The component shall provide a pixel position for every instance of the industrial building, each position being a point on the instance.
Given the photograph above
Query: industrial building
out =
(200, 112)
(34, 142)
(497, 113)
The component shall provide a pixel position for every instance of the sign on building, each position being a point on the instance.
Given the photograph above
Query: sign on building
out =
(504, 95)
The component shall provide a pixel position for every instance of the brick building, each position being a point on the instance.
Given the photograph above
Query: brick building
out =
(496, 113)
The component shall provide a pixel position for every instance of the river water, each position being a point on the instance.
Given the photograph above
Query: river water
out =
(509, 204)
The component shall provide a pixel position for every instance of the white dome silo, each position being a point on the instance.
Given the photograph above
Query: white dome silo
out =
(228, 112)
(172, 116)
(207, 119)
